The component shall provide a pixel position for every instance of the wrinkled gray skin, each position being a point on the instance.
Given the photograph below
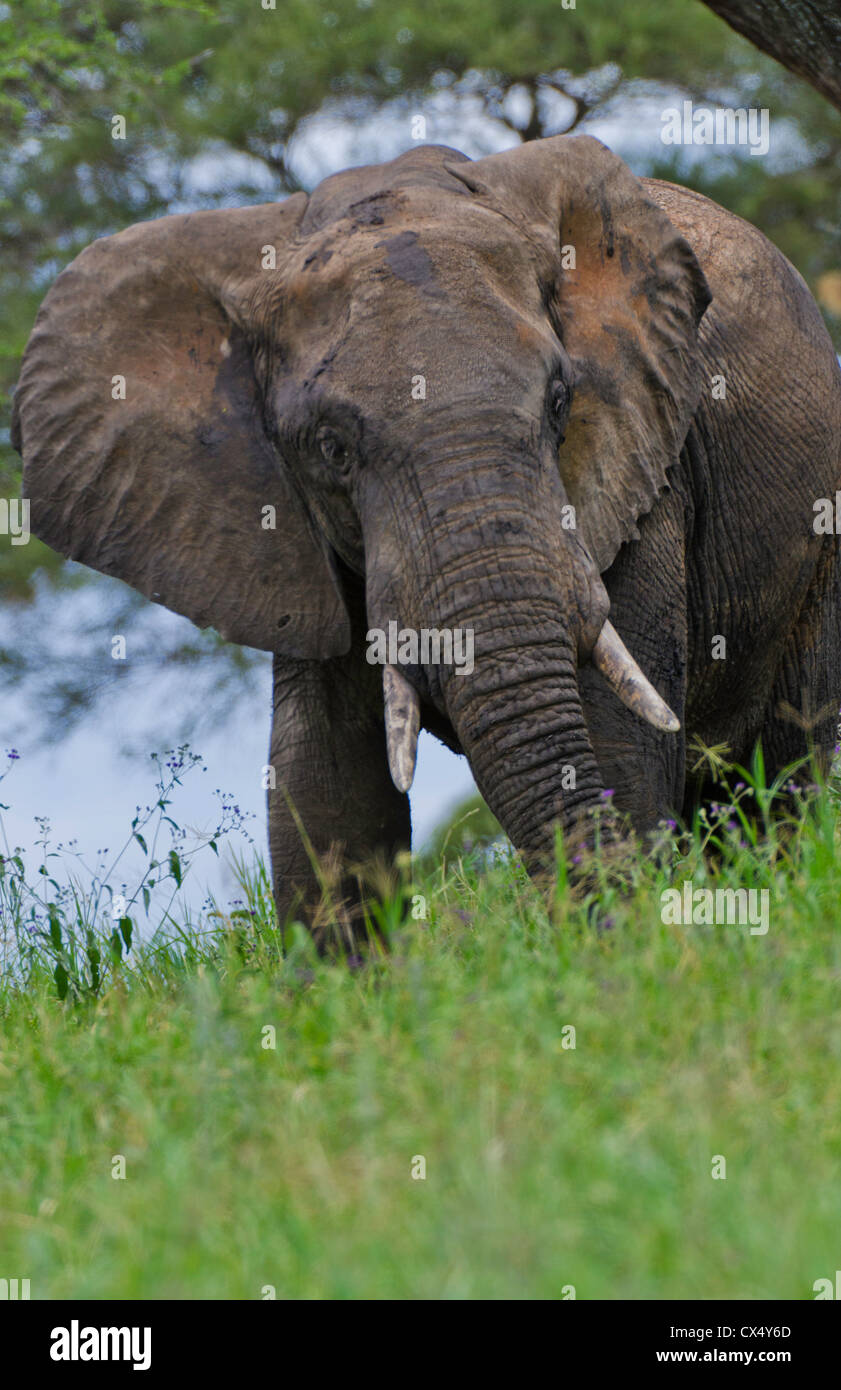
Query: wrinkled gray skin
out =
(546, 385)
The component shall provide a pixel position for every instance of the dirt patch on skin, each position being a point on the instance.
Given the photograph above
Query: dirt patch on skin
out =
(408, 261)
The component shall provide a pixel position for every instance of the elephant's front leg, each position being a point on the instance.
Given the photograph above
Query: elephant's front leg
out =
(643, 767)
(333, 808)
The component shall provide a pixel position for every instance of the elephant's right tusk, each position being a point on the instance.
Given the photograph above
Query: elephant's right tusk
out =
(402, 723)
(612, 658)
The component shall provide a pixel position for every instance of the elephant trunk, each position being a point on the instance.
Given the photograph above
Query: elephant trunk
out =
(493, 561)
(519, 719)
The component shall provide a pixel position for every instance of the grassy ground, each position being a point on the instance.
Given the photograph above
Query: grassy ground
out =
(546, 1165)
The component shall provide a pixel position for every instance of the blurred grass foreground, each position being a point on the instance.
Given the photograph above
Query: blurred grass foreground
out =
(504, 1096)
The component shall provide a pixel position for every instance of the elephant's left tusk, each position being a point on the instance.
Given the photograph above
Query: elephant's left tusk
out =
(612, 658)
(402, 723)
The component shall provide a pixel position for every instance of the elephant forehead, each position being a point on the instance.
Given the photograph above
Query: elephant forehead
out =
(457, 298)
(450, 249)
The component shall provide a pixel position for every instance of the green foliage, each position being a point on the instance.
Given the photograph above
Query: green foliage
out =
(75, 914)
(470, 828)
(258, 1157)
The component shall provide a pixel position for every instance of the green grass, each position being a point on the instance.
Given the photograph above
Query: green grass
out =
(546, 1166)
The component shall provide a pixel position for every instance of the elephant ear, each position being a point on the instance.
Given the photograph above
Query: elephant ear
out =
(626, 295)
(141, 425)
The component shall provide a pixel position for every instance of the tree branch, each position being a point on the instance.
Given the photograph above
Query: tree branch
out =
(803, 35)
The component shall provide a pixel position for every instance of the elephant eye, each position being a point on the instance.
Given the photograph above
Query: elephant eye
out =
(332, 447)
(560, 398)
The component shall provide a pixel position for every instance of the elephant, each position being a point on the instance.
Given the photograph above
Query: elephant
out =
(586, 417)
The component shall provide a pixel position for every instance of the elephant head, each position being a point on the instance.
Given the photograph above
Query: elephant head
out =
(457, 383)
